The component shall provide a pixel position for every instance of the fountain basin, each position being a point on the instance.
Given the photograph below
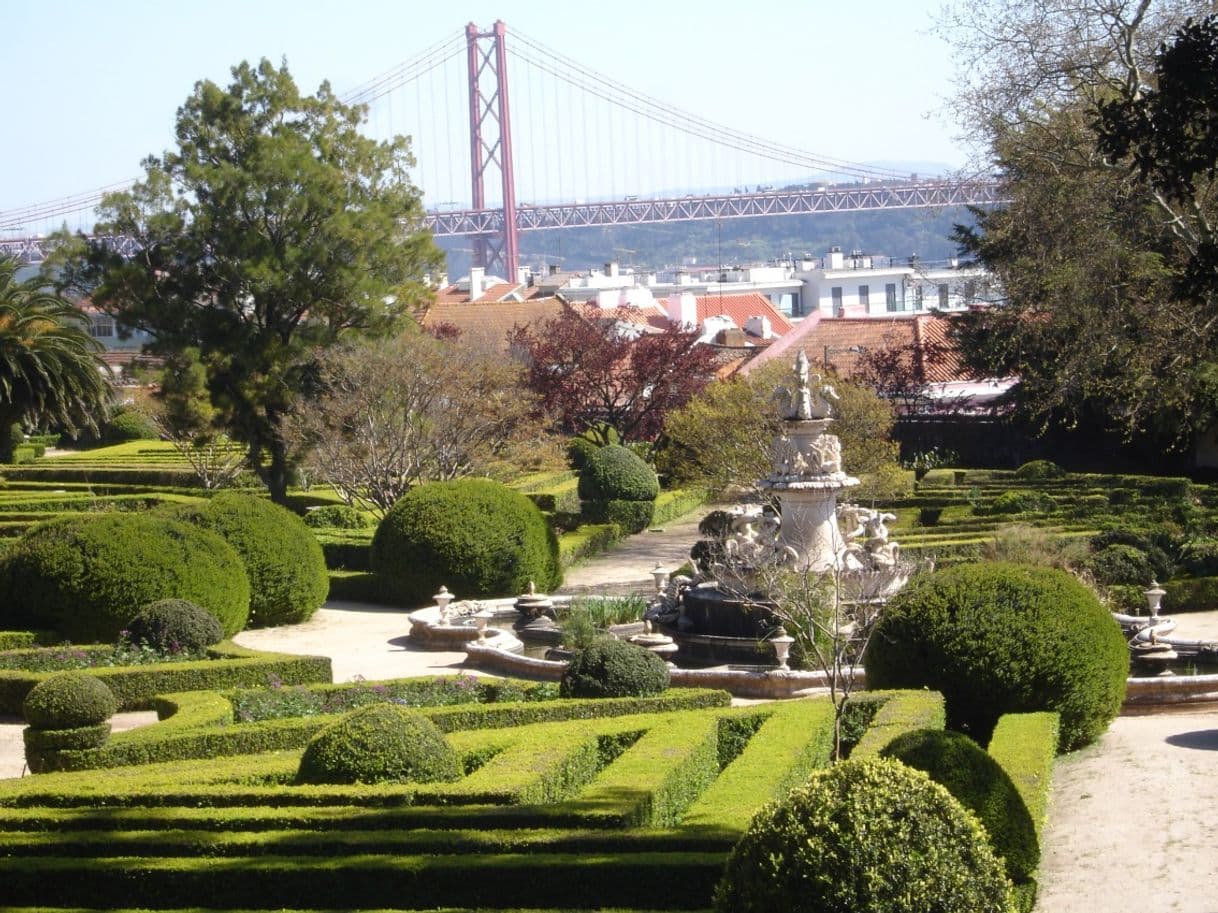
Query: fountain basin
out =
(710, 611)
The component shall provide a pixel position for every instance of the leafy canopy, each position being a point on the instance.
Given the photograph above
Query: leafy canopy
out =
(1099, 118)
(273, 229)
(50, 367)
(723, 436)
(594, 377)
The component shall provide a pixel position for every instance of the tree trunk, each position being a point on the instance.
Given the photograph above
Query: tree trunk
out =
(276, 474)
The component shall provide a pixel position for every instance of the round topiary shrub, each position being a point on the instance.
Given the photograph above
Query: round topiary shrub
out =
(1000, 638)
(337, 516)
(69, 700)
(872, 836)
(40, 741)
(614, 473)
(979, 783)
(283, 560)
(1161, 564)
(86, 577)
(1021, 501)
(129, 425)
(613, 668)
(1117, 564)
(380, 743)
(1039, 469)
(579, 451)
(175, 625)
(477, 537)
(632, 516)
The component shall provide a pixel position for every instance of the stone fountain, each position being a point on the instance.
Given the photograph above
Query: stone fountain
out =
(807, 476)
(723, 616)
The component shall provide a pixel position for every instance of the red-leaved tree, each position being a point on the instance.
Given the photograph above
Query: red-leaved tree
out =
(592, 377)
(899, 371)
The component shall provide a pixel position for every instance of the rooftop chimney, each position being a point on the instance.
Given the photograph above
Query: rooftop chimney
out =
(611, 269)
(759, 327)
(730, 336)
(477, 282)
(682, 309)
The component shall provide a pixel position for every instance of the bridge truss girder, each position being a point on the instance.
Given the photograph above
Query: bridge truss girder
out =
(484, 223)
(923, 194)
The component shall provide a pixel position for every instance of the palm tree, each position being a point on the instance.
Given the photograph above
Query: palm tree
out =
(50, 367)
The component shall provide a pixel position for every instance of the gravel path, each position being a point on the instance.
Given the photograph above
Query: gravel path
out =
(1131, 820)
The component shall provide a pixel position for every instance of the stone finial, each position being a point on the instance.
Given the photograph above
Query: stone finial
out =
(809, 398)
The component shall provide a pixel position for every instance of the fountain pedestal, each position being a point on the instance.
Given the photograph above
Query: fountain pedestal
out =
(809, 534)
(807, 479)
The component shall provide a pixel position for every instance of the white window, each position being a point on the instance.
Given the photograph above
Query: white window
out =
(101, 326)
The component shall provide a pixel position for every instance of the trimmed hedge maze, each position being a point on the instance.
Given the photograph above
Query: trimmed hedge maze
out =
(141, 475)
(136, 687)
(954, 513)
(581, 810)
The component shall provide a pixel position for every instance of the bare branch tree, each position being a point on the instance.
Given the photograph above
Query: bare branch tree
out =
(411, 409)
(831, 615)
(216, 460)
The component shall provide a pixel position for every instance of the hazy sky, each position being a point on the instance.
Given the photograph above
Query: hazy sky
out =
(93, 85)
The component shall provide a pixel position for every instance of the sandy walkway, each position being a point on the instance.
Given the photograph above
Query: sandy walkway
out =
(627, 568)
(361, 640)
(1131, 820)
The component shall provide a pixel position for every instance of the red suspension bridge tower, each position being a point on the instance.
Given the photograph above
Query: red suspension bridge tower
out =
(490, 145)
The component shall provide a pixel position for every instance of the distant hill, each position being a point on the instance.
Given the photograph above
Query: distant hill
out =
(891, 233)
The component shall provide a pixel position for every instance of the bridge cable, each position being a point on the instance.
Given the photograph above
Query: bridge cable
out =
(630, 98)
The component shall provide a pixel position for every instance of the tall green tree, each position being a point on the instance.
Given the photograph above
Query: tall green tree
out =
(50, 367)
(722, 437)
(273, 230)
(1090, 253)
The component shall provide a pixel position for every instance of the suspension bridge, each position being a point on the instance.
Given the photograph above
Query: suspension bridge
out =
(562, 147)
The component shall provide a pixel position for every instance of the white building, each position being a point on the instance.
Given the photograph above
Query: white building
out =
(859, 285)
(836, 285)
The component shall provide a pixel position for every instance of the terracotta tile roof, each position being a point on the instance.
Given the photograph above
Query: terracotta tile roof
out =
(506, 292)
(740, 308)
(731, 360)
(829, 339)
(485, 324)
(943, 362)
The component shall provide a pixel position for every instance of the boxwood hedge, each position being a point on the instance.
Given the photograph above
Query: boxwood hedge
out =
(231, 666)
(1000, 638)
(283, 562)
(381, 743)
(981, 785)
(86, 577)
(614, 473)
(842, 844)
(477, 537)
